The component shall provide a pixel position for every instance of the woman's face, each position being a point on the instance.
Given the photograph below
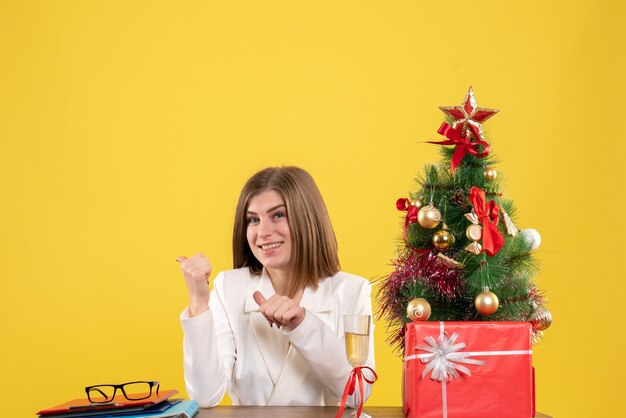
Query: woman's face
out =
(268, 231)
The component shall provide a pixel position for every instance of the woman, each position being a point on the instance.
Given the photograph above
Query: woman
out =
(271, 331)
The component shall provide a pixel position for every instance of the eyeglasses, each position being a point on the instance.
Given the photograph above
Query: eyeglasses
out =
(133, 391)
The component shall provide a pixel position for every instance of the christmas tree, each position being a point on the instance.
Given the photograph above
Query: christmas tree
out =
(461, 257)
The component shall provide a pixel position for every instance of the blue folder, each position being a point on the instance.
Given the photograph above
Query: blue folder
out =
(183, 409)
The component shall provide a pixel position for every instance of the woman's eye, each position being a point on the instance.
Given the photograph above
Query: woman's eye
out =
(279, 215)
(252, 220)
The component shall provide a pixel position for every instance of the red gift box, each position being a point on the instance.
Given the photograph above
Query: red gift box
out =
(468, 370)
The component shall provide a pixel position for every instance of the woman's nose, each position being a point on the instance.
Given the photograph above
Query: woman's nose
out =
(265, 228)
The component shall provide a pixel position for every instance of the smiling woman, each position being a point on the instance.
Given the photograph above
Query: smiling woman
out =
(313, 249)
(286, 273)
(269, 237)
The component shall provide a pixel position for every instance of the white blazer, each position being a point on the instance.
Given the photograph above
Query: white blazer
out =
(232, 347)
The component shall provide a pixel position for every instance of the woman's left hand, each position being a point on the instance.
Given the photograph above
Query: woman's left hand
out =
(280, 310)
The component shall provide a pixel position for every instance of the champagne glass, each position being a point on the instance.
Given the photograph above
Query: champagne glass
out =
(357, 333)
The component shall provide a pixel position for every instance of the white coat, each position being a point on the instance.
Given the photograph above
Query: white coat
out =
(232, 347)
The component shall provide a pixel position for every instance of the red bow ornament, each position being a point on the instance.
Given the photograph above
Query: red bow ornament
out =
(464, 143)
(488, 213)
(403, 204)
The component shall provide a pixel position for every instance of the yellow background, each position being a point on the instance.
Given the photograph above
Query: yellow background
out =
(128, 128)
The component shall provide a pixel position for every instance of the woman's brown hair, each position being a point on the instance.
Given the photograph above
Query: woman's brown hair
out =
(314, 252)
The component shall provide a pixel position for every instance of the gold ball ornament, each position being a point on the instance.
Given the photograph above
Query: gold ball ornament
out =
(486, 303)
(541, 319)
(443, 240)
(418, 309)
(417, 203)
(490, 173)
(429, 217)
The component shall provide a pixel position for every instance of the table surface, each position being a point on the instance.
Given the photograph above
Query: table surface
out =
(301, 412)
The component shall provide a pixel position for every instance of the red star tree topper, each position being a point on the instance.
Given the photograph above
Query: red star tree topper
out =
(469, 116)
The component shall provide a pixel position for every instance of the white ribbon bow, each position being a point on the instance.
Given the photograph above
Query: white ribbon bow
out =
(445, 358)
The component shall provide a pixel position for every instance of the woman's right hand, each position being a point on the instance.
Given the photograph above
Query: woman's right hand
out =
(196, 270)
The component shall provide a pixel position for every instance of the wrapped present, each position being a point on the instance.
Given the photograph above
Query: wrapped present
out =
(468, 370)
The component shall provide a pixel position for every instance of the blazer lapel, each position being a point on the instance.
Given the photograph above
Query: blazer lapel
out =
(296, 367)
(271, 342)
(293, 374)
(320, 301)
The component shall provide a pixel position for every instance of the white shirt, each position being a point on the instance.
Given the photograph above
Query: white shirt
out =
(232, 347)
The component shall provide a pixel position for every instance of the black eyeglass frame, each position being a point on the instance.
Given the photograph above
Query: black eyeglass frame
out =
(108, 399)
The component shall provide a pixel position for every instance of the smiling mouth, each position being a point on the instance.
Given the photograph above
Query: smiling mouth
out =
(271, 246)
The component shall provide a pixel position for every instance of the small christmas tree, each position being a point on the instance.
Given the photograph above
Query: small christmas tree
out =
(462, 258)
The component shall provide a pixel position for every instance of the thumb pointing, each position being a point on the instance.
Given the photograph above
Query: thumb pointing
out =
(181, 259)
(259, 298)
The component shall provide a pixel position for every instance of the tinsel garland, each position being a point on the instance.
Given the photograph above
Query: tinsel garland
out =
(414, 274)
